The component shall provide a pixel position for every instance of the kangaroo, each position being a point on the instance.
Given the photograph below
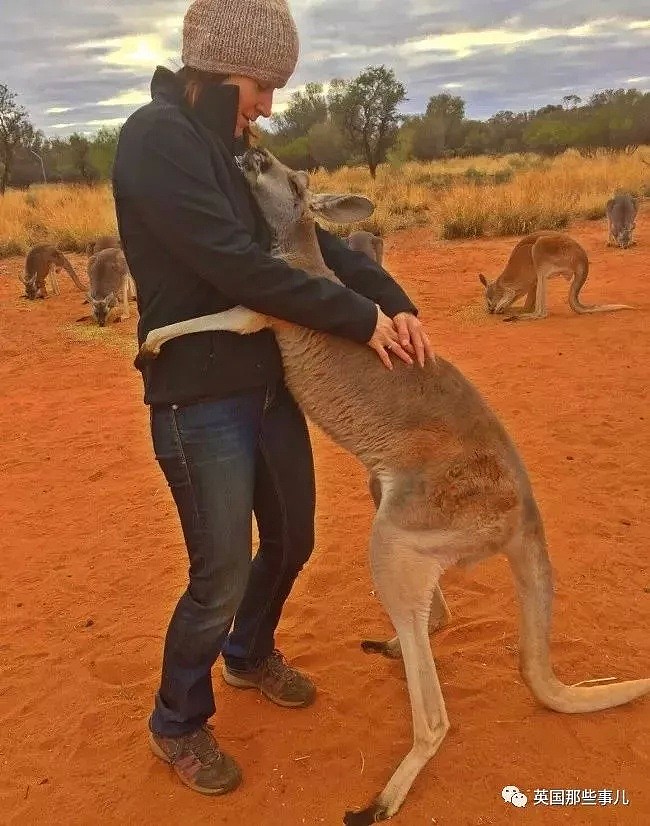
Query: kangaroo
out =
(39, 264)
(621, 219)
(109, 278)
(449, 485)
(372, 245)
(534, 259)
(105, 242)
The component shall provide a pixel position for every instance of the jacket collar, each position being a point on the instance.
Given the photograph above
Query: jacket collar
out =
(216, 108)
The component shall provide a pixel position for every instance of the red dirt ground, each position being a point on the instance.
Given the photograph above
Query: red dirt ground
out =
(93, 563)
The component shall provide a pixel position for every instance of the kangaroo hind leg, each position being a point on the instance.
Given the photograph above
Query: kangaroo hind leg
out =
(406, 576)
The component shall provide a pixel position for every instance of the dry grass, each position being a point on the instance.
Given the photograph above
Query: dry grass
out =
(68, 216)
(108, 336)
(459, 198)
(472, 197)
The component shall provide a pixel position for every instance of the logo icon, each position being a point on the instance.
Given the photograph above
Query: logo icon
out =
(511, 794)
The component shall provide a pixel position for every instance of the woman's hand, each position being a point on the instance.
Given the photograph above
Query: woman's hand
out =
(412, 337)
(386, 340)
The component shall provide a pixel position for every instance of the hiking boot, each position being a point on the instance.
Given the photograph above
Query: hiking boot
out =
(198, 761)
(283, 685)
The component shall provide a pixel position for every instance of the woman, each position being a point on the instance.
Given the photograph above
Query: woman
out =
(226, 432)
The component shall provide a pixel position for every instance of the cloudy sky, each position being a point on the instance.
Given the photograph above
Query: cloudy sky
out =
(77, 65)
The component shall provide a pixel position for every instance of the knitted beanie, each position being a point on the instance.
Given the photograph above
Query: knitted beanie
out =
(255, 38)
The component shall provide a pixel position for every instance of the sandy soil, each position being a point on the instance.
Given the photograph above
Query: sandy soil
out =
(93, 561)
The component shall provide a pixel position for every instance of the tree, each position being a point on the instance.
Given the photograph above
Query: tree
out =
(79, 158)
(548, 136)
(303, 111)
(428, 141)
(327, 145)
(447, 107)
(102, 149)
(15, 131)
(295, 154)
(365, 110)
(571, 101)
(476, 138)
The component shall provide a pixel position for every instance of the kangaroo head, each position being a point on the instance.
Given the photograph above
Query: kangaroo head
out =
(283, 195)
(101, 308)
(497, 297)
(31, 289)
(624, 236)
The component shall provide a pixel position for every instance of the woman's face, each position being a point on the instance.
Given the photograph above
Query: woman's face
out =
(255, 99)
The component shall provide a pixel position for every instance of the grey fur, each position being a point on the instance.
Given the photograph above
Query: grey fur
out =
(109, 282)
(621, 219)
(372, 245)
(104, 242)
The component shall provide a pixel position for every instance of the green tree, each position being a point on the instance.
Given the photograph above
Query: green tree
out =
(548, 136)
(102, 149)
(304, 110)
(476, 139)
(447, 107)
(295, 154)
(365, 110)
(429, 136)
(79, 158)
(15, 131)
(327, 145)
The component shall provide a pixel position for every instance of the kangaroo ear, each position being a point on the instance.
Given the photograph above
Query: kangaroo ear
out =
(344, 209)
(482, 279)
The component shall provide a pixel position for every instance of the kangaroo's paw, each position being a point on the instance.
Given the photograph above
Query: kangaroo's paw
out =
(387, 648)
(373, 814)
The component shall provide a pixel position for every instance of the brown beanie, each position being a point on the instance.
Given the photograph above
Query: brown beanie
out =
(255, 38)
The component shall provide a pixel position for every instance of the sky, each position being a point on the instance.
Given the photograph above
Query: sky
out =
(77, 66)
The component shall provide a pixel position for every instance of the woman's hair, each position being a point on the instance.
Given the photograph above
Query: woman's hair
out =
(195, 81)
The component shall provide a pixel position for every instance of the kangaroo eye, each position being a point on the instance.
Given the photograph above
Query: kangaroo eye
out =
(264, 161)
(295, 188)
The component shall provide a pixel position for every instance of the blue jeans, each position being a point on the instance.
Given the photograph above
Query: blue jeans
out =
(225, 460)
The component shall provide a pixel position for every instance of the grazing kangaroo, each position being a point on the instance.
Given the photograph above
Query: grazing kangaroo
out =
(372, 245)
(106, 242)
(621, 219)
(534, 259)
(109, 278)
(41, 261)
(448, 482)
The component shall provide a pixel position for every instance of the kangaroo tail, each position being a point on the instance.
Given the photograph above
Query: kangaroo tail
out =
(574, 295)
(531, 569)
(67, 266)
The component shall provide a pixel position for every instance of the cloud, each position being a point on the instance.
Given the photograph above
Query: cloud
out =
(131, 98)
(98, 62)
(131, 52)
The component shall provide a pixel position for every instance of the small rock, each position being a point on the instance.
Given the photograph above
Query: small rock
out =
(569, 458)
(88, 623)
(625, 522)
